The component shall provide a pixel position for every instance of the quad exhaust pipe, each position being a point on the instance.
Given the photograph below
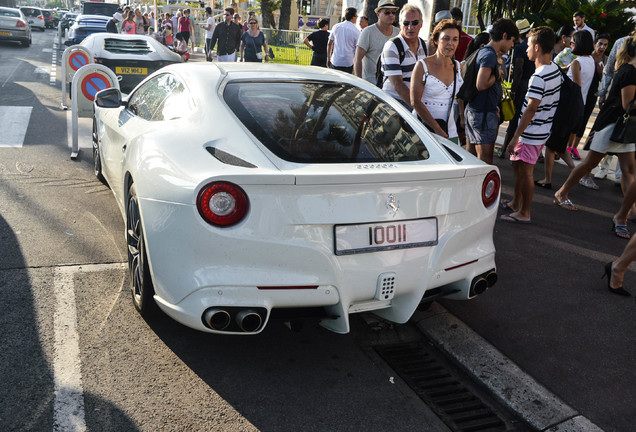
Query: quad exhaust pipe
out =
(245, 320)
(478, 286)
(248, 320)
(217, 319)
(482, 282)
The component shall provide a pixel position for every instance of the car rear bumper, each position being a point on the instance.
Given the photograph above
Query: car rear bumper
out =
(13, 35)
(200, 267)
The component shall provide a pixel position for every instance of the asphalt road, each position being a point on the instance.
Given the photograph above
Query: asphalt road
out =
(551, 313)
(62, 243)
(75, 354)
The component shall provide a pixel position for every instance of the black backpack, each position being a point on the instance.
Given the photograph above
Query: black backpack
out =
(570, 109)
(379, 73)
(468, 91)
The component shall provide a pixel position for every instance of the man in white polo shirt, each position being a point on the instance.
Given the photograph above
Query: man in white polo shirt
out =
(372, 40)
(342, 42)
(397, 73)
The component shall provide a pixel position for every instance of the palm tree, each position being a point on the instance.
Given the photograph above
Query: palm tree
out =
(285, 14)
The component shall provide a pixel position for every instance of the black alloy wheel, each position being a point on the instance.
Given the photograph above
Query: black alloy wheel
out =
(97, 160)
(140, 279)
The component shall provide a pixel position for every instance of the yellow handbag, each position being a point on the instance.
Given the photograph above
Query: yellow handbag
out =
(507, 104)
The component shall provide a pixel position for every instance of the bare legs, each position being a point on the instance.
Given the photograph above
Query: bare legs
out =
(523, 190)
(627, 164)
(591, 160)
(549, 164)
(485, 152)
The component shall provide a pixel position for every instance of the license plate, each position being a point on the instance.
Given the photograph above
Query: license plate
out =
(131, 70)
(5, 33)
(373, 237)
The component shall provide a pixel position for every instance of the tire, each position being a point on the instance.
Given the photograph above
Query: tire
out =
(140, 280)
(97, 159)
(26, 43)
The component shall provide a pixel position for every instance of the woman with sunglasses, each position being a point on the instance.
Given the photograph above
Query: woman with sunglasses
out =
(252, 44)
(436, 80)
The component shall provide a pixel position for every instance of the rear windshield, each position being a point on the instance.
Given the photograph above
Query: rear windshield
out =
(323, 122)
(92, 22)
(31, 12)
(9, 13)
(128, 46)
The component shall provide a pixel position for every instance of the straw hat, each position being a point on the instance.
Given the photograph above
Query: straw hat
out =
(523, 25)
(385, 4)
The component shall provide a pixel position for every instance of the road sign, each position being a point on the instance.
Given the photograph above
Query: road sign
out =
(74, 58)
(93, 83)
(78, 59)
(87, 81)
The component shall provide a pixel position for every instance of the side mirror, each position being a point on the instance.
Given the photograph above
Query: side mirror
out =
(109, 98)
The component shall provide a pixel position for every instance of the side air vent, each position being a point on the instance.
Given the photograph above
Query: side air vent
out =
(451, 152)
(229, 159)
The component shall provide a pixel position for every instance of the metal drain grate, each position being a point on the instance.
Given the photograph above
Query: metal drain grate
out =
(446, 390)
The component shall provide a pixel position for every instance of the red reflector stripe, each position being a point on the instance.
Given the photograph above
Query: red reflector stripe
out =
(461, 265)
(288, 287)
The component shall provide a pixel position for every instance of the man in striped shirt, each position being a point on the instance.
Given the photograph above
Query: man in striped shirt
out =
(535, 123)
(398, 74)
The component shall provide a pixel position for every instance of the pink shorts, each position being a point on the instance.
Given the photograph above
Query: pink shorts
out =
(526, 153)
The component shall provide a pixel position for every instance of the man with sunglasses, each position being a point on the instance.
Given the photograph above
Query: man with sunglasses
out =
(228, 35)
(397, 68)
(342, 42)
(372, 40)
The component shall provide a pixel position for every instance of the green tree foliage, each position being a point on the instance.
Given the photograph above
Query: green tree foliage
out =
(511, 8)
(604, 16)
(54, 4)
(267, 8)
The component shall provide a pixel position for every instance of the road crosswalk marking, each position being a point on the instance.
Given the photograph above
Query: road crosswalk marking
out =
(14, 121)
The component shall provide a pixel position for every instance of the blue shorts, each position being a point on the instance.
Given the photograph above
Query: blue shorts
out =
(479, 131)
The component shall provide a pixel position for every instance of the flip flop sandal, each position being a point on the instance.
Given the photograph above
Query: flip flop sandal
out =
(512, 219)
(567, 205)
(506, 206)
(620, 230)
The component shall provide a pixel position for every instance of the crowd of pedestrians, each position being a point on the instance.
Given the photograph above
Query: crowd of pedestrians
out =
(426, 76)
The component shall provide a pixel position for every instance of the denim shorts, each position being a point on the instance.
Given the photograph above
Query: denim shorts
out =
(479, 131)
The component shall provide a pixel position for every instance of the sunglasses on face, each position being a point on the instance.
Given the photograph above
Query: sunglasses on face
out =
(252, 23)
(388, 12)
(408, 23)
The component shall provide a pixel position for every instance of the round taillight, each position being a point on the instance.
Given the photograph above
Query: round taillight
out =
(222, 203)
(490, 188)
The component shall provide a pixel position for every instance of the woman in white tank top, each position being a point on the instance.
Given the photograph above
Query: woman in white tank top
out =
(436, 80)
(581, 72)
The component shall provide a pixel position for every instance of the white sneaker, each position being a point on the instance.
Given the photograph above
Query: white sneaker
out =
(601, 174)
(588, 183)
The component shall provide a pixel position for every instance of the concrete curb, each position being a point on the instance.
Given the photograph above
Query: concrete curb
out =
(519, 391)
